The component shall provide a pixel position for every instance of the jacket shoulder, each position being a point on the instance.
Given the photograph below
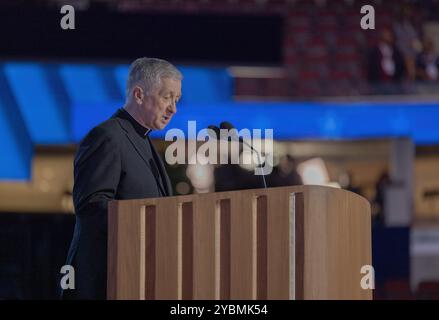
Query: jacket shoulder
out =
(103, 138)
(107, 130)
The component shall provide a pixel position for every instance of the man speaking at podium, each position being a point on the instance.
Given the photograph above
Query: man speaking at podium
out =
(117, 161)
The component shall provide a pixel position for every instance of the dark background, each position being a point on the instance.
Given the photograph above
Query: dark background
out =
(107, 35)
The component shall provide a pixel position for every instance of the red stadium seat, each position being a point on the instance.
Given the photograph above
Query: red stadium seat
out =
(428, 290)
(398, 289)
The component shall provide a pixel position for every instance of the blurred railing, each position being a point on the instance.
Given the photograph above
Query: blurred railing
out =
(278, 83)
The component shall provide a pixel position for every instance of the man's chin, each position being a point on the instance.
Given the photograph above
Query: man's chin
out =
(162, 126)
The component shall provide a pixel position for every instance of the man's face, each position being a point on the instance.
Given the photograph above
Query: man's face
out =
(161, 104)
(387, 36)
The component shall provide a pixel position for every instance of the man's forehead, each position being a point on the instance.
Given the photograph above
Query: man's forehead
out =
(170, 84)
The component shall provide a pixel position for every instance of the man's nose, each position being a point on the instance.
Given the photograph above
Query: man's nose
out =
(173, 107)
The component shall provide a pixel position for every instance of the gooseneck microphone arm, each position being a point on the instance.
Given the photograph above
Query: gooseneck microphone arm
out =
(228, 126)
(259, 158)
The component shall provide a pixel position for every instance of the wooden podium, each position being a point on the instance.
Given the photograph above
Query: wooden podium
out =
(301, 242)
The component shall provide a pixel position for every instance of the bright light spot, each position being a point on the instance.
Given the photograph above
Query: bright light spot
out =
(313, 172)
(201, 176)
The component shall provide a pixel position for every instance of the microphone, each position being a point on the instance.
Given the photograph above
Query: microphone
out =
(228, 126)
(231, 129)
(214, 132)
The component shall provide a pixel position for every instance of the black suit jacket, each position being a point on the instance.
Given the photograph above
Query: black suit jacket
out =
(375, 71)
(114, 161)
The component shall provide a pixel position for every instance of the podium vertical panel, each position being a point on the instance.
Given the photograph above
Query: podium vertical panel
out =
(150, 252)
(278, 228)
(261, 247)
(242, 248)
(168, 250)
(337, 244)
(186, 254)
(316, 246)
(348, 245)
(223, 249)
(204, 284)
(297, 244)
(126, 241)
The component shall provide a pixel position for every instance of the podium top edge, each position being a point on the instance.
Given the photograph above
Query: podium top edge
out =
(255, 192)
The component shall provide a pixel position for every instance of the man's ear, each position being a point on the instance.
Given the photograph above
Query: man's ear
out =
(138, 94)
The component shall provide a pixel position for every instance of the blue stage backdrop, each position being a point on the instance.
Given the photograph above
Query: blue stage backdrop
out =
(48, 103)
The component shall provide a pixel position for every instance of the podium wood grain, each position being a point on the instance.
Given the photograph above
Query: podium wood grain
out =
(301, 242)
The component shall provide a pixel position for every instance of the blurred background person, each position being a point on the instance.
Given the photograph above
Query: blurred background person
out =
(407, 39)
(427, 62)
(386, 68)
(346, 182)
(285, 173)
(379, 201)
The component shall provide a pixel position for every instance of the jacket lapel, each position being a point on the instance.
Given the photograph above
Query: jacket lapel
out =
(142, 150)
(163, 173)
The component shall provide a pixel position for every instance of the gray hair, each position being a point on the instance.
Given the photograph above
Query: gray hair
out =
(148, 72)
